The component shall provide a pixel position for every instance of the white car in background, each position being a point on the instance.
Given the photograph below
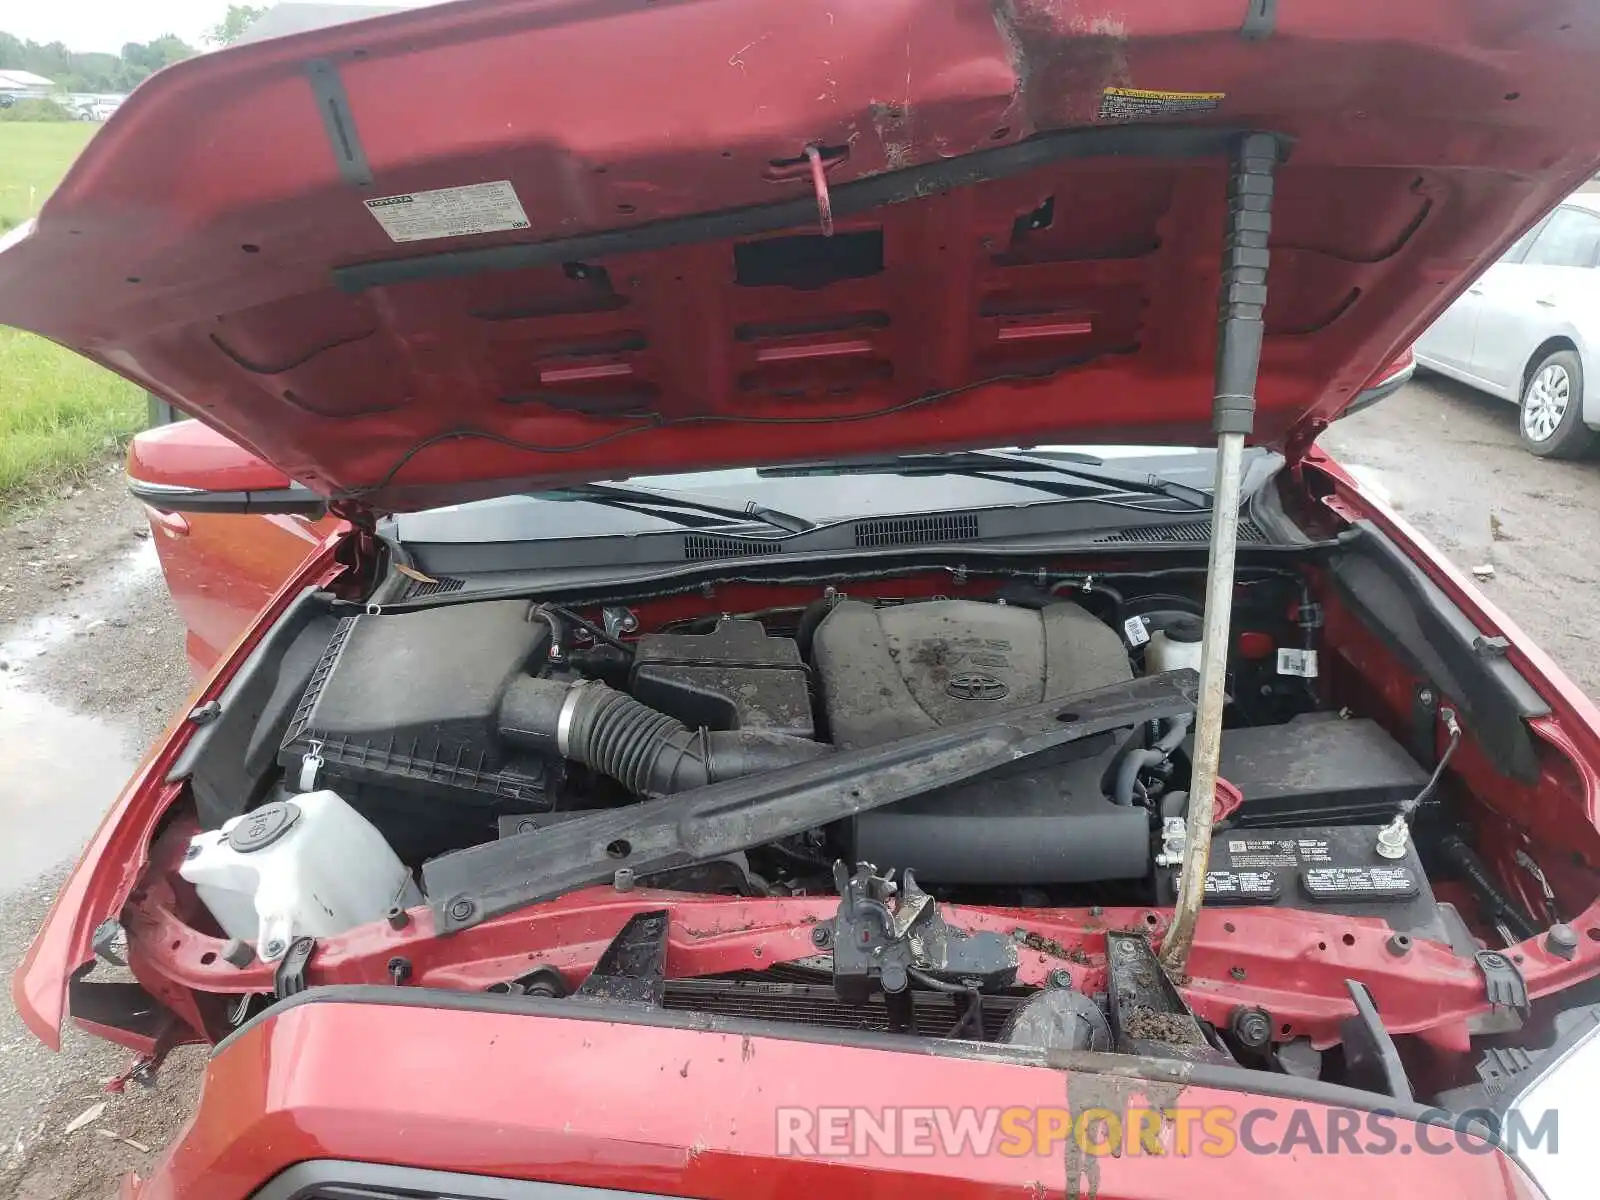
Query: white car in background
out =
(1529, 328)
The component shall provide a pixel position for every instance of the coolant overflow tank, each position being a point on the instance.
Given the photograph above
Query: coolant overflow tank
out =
(310, 865)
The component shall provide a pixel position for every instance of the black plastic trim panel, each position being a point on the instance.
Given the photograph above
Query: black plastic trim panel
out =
(849, 198)
(229, 760)
(332, 1179)
(1392, 596)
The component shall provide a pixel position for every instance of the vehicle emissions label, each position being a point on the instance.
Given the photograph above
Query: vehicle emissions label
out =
(1141, 104)
(449, 212)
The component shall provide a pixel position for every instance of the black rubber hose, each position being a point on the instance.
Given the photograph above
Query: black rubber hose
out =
(1176, 732)
(647, 751)
(1128, 772)
(1135, 760)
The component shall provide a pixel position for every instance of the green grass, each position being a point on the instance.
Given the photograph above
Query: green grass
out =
(59, 413)
(33, 158)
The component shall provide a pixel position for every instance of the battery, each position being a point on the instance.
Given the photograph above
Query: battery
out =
(1329, 868)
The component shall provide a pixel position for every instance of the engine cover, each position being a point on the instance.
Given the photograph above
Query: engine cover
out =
(886, 673)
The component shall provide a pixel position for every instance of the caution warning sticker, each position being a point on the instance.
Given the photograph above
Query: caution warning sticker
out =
(449, 212)
(1138, 104)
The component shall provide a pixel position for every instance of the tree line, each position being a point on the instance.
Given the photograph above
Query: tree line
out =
(75, 71)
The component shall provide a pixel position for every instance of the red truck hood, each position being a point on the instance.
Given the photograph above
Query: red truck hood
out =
(1028, 199)
(733, 1110)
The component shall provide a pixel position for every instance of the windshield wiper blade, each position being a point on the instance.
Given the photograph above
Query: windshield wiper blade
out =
(651, 501)
(1091, 478)
(466, 886)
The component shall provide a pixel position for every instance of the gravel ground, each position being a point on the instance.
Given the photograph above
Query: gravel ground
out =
(93, 668)
(1449, 459)
(92, 656)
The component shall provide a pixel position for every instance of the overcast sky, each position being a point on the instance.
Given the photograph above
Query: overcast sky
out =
(108, 24)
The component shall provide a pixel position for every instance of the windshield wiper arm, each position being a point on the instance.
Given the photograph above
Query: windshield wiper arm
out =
(984, 464)
(651, 501)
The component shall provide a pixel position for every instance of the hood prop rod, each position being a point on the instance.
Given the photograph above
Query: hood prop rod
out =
(1241, 300)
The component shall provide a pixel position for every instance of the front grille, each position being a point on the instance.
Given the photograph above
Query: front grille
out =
(1189, 532)
(915, 531)
(700, 546)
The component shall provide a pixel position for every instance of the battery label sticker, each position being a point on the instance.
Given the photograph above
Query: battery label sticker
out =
(1267, 853)
(1139, 104)
(1297, 662)
(1359, 883)
(449, 212)
(1135, 629)
(1252, 886)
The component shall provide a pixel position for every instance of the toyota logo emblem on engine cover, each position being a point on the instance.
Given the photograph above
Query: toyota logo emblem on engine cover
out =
(975, 685)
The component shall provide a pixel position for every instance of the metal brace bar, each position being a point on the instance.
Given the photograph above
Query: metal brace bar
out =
(1242, 299)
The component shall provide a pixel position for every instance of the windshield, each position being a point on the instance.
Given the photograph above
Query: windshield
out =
(822, 494)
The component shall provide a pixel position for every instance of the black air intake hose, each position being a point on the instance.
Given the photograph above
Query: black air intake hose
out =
(648, 751)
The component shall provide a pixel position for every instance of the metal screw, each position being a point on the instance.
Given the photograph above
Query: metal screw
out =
(1125, 950)
(461, 909)
(399, 969)
(397, 917)
(1427, 698)
(1492, 961)
(273, 949)
(1096, 911)
(821, 936)
(193, 851)
(622, 879)
(1236, 972)
(1061, 978)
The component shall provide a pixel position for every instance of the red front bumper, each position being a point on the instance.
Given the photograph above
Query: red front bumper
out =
(487, 1086)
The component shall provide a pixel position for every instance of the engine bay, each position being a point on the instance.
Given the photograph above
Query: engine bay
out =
(941, 803)
(450, 726)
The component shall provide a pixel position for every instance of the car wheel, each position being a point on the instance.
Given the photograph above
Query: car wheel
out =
(1551, 413)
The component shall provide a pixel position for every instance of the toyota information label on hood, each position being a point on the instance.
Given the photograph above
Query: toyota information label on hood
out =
(450, 212)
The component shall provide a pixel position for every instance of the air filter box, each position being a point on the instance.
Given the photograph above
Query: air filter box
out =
(408, 701)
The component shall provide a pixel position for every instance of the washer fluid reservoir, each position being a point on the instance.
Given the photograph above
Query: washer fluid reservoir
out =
(1174, 647)
(307, 866)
